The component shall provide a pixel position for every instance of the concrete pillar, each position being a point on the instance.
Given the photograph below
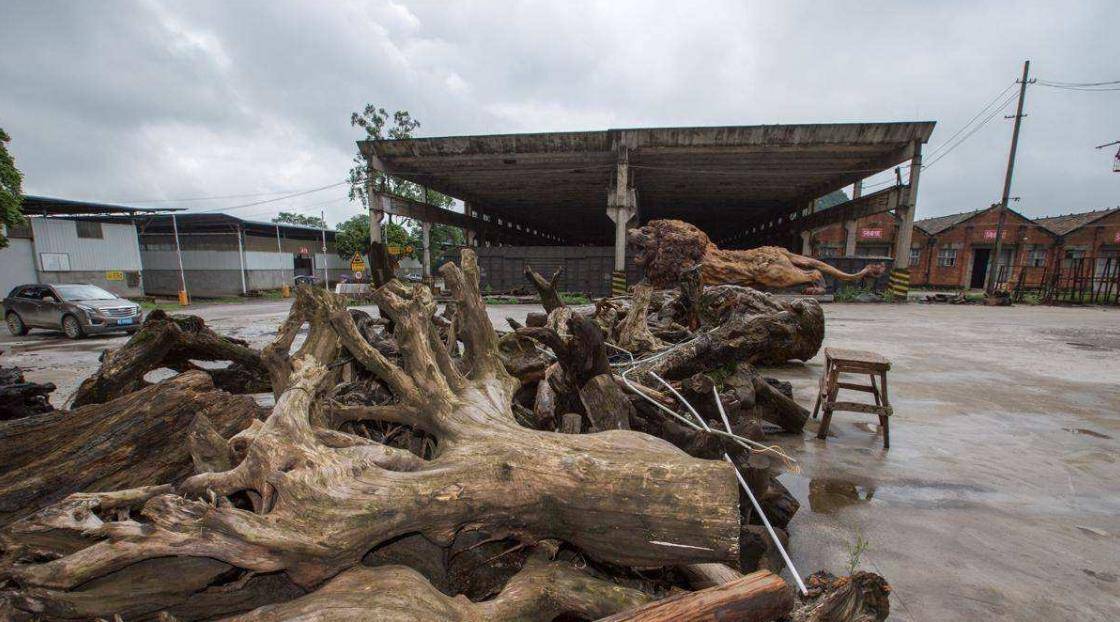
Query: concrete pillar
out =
(622, 207)
(426, 236)
(470, 234)
(851, 226)
(378, 204)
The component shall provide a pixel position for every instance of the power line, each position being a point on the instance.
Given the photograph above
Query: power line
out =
(255, 203)
(974, 117)
(975, 129)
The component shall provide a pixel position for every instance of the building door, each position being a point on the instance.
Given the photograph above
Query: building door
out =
(302, 265)
(980, 258)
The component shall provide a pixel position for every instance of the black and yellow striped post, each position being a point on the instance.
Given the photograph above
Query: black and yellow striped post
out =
(900, 283)
(618, 283)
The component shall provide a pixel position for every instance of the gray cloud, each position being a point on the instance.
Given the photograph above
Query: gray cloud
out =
(142, 100)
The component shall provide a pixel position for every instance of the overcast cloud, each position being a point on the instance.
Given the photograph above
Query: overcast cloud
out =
(132, 101)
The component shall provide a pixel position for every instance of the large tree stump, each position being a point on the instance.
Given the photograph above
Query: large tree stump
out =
(322, 499)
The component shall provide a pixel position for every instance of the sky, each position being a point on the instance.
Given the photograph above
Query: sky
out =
(150, 103)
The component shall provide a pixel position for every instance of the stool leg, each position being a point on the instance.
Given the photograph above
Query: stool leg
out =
(833, 379)
(820, 390)
(875, 390)
(885, 420)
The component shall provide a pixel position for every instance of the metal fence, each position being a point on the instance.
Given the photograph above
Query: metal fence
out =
(1078, 280)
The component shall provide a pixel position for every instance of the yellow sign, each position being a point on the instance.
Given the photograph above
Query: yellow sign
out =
(114, 275)
(400, 250)
(357, 264)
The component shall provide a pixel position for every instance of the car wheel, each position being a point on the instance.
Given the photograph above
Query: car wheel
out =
(72, 327)
(15, 325)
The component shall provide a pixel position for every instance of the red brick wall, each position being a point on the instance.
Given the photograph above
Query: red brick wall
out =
(876, 229)
(978, 231)
(1093, 237)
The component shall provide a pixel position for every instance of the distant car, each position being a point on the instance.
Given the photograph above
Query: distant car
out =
(77, 310)
(306, 279)
(414, 278)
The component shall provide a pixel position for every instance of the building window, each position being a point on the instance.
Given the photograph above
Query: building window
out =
(1036, 257)
(828, 251)
(947, 257)
(88, 229)
(915, 255)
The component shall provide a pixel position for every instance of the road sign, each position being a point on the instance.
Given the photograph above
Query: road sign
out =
(358, 274)
(395, 249)
(357, 264)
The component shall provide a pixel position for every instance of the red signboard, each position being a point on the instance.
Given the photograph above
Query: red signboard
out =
(303, 252)
(871, 233)
(990, 234)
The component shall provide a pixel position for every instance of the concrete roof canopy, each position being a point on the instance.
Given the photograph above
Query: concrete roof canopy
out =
(719, 178)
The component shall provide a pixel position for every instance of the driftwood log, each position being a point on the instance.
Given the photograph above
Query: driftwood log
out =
(666, 248)
(20, 398)
(136, 440)
(172, 342)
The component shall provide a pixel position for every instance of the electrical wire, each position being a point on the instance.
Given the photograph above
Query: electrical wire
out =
(255, 203)
(978, 127)
(934, 151)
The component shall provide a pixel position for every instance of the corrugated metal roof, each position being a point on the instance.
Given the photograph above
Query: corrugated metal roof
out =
(50, 206)
(1067, 223)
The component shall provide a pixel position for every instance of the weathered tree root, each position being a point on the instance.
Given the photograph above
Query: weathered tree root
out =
(861, 597)
(172, 342)
(321, 499)
(541, 591)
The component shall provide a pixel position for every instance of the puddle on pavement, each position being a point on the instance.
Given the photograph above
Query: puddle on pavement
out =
(828, 495)
(1086, 432)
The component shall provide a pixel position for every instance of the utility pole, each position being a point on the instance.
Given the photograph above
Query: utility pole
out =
(994, 261)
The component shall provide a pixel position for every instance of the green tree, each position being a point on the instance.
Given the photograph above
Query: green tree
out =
(353, 236)
(375, 122)
(290, 218)
(11, 189)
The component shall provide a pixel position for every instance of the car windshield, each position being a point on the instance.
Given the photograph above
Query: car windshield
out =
(83, 292)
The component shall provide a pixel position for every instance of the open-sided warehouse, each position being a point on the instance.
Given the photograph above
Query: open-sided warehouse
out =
(742, 185)
(223, 255)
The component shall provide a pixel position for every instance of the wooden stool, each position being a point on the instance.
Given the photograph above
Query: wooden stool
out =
(838, 361)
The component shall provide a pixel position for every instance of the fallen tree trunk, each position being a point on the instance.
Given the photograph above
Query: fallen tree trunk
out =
(137, 440)
(757, 597)
(172, 342)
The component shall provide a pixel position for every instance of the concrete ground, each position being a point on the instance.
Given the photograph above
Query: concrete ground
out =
(1000, 496)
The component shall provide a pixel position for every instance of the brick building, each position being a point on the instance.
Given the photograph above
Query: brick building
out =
(1092, 236)
(959, 248)
(875, 236)
(954, 251)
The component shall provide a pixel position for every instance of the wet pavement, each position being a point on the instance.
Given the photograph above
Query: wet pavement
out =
(999, 498)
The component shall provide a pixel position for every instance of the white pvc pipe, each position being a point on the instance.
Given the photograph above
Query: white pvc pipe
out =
(754, 502)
